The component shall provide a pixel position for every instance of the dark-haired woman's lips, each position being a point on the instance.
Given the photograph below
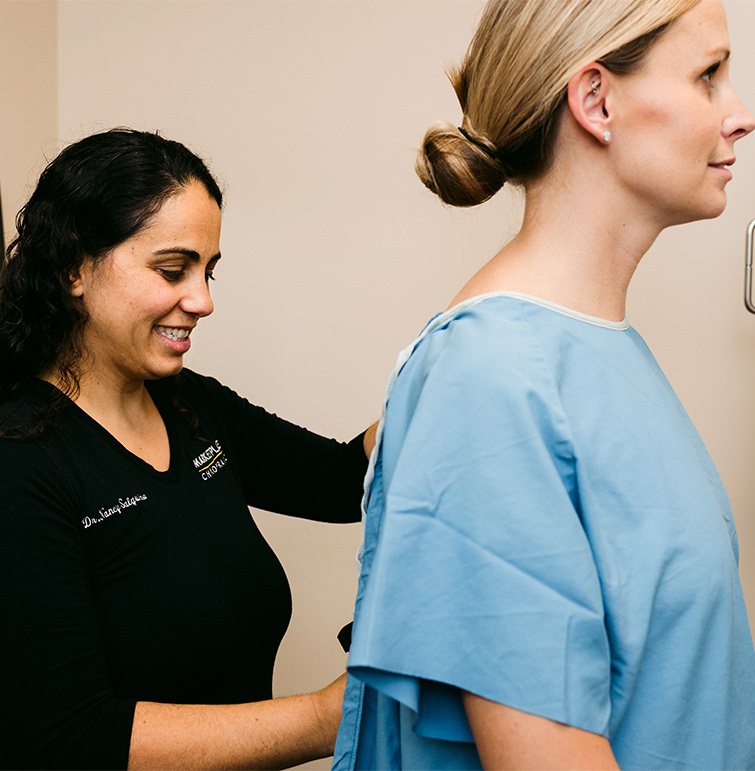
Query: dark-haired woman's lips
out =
(177, 338)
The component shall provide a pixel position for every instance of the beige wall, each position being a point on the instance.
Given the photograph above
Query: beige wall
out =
(28, 95)
(334, 255)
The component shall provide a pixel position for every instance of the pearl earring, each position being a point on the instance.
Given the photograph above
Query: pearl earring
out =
(594, 87)
(606, 136)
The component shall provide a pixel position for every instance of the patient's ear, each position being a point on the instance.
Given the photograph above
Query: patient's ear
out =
(590, 97)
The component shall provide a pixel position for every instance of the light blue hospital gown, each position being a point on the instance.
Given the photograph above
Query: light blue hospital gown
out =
(545, 529)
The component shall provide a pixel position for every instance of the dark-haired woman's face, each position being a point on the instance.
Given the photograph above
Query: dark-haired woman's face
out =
(145, 297)
(678, 118)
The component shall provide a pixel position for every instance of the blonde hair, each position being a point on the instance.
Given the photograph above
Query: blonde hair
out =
(512, 86)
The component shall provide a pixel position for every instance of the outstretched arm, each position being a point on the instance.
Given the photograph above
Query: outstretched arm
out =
(278, 733)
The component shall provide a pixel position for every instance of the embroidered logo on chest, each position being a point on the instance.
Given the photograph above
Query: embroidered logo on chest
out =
(209, 462)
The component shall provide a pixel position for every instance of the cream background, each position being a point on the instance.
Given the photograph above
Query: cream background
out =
(28, 97)
(334, 254)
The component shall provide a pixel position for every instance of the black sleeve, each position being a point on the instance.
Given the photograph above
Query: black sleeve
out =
(285, 468)
(57, 707)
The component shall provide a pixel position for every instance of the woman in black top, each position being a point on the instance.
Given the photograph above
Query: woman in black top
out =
(142, 607)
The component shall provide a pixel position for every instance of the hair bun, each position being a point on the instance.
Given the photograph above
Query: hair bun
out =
(459, 167)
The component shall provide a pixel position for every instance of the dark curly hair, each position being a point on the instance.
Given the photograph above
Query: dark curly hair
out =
(94, 195)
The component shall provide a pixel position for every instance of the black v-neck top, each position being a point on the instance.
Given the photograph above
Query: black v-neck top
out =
(120, 583)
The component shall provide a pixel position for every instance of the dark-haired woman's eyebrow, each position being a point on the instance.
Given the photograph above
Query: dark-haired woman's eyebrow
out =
(191, 254)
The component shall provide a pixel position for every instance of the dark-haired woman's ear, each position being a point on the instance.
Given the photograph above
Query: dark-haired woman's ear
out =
(77, 286)
(589, 96)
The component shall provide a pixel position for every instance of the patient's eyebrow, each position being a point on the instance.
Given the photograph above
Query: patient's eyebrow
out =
(722, 54)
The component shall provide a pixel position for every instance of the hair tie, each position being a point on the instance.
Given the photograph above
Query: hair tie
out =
(490, 153)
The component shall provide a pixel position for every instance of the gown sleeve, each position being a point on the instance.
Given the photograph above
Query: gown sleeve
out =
(58, 703)
(288, 469)
(477, 573)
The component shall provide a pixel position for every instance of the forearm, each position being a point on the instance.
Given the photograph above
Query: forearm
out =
(269, 734)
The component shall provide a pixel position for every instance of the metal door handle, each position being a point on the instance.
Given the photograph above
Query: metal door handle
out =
(748, 268)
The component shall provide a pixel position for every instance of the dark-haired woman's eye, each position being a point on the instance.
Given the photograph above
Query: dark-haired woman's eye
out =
(209, 277)
(171, 275)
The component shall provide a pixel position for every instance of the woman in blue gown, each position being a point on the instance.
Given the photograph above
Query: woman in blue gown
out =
(550, 569)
